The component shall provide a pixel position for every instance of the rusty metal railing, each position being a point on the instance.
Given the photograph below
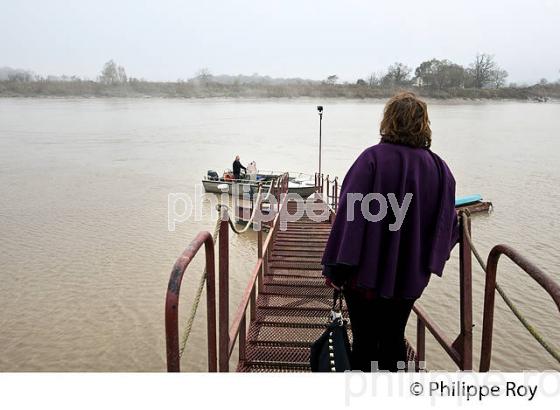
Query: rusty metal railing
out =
(172, 302)
(220, 344)
(491, 286)
(238, 330)
(329, 189)
(460, 349)
(545, 281)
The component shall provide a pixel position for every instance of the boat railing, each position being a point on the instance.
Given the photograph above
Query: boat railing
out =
(240, 180)
(293, 174)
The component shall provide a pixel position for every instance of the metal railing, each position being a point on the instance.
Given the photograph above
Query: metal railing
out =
(238, 330)
(222, 343)
(172, 302)
(460, 349)
(329, 190)
(490, 288)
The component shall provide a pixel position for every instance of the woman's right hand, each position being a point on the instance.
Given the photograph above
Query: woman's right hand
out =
(330, 284)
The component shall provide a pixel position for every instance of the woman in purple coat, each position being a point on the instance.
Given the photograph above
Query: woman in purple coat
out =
(396, 225)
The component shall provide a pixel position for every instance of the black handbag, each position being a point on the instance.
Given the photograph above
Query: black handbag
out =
(331, 352)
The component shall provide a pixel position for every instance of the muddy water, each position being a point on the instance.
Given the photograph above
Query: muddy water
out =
(86, 250)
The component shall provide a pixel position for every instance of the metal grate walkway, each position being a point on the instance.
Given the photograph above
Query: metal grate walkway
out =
(288, 303)
(294, 303)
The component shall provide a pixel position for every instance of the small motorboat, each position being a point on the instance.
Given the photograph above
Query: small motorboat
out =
(298, 183)
(473, 203)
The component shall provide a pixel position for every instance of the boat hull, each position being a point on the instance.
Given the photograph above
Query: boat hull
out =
(219, 187)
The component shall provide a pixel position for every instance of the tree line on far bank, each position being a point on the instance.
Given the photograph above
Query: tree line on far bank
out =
(484, 72)
(483, 78)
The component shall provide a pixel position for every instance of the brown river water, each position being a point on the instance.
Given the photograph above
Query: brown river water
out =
(86, 251)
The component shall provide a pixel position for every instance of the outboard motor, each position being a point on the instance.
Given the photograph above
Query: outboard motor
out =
(212, 175)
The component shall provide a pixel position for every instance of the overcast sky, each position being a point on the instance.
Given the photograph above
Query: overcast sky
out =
(168, 39)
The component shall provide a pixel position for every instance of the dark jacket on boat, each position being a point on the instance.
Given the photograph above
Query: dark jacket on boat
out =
(371, 257)
(237, 167)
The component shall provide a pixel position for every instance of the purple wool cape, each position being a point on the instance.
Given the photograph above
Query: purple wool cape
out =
(393, 263)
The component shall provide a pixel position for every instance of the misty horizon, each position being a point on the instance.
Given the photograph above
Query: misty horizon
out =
(172, 40)
(224, 77)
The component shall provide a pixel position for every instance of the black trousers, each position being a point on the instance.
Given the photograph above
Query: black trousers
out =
(378, 327)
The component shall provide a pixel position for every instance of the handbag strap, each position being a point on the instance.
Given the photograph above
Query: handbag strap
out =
(337, 297)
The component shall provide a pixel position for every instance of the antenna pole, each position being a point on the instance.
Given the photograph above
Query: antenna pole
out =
(320, 109)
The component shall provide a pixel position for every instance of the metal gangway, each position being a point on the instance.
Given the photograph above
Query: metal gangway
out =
(285, 303)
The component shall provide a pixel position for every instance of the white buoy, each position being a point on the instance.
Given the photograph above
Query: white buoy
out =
(223, 187)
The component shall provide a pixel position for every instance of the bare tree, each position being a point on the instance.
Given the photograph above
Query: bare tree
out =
(397, 74)
(481, 70)
(375, 79)
(498, 77)
(332, 79)
(121, 74)
(203, 75)
(112, 73)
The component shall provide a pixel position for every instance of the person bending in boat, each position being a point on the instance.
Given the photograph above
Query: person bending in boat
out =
(383, 268)
(237, 167)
